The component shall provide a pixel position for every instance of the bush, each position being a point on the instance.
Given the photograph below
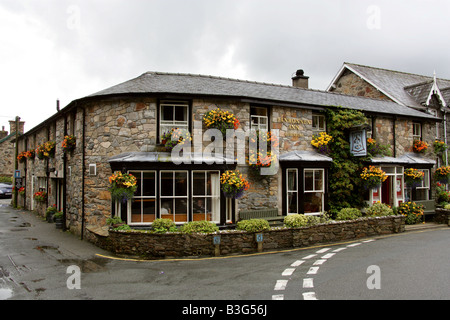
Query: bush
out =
(348, 214)
(164, 225)
(379, 209)
(199, 227)
(412, 211)
(253, 225)
(296, 221)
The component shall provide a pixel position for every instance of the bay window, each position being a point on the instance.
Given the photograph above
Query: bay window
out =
(314, 191)
(206, 196)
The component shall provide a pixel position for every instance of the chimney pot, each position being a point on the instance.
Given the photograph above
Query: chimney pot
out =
(300, 80)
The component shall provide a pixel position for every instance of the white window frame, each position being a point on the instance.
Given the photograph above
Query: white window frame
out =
(315, 190)
(417, 131)
(205, 195)
(141, 172)
(174, 197)
(258, 125)
(167, 125)
(425, 185)
(316, 123)
(293, 191)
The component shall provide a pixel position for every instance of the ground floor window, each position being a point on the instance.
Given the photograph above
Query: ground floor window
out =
(314, 191)
(422, 192)
(305, 191)
(142, 208)
(178, 195)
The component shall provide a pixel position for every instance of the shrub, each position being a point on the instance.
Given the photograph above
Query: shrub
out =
(296, 221)
(412, 211)
(164, 225)
(447, 207)
(379, 209)
(348, 214)
(253, 225)
(199, 227)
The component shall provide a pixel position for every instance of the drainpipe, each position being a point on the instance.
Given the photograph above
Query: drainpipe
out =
(83, 173)
(393, 133)
(445, 137)
(64, 177)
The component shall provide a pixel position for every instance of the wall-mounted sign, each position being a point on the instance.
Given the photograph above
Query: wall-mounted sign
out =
(358, 143)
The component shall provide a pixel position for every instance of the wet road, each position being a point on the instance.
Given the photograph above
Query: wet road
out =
(35, 257)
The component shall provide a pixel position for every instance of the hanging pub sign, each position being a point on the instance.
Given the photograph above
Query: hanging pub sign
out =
(358, 141)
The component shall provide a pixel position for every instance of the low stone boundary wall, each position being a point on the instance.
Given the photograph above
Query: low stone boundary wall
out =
(147, 245)
(442, 216)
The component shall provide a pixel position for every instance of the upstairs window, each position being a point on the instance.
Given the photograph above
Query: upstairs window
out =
(173, 115)
(417, 131)
(318, 123)
(258, 118)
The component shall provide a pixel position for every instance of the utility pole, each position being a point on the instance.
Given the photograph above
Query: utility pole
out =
(16, 162)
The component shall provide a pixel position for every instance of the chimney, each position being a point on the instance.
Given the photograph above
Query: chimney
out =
(3, 133)
(300, 80)
(12, 126)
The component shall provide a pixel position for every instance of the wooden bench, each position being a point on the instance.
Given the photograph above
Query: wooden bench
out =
(429, 206)
(271, 215)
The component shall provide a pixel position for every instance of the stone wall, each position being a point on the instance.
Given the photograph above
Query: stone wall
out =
(353, 85)
(152, 245)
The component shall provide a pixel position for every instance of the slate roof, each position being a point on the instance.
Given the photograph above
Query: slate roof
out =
(404, 88)
(201, 85)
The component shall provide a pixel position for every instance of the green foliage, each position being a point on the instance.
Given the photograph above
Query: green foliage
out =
(199, 227)
(348, 214)
(164, 225)
(253, 225)
(344, 178)
(5, 179)
(114, 220)
(296, 221)
(379, 209)
(412, 211)
(442, 195)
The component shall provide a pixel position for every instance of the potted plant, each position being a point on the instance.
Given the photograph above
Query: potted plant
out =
(122, 186)
(420, 146)
(221, 120)
(50, 213)
(373, 177)
(233, 184)
(320, 142)
(58, 218)
(442, 174)
(46, 150)
(69, 143)
(413, 177)
(21, 157)
(40, 196)
(30, 154)
(174, 137)
(439, 148)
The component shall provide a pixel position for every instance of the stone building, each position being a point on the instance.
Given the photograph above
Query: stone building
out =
(121, 129)
(7, 149)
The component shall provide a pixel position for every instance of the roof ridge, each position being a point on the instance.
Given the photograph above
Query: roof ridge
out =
(395, 71)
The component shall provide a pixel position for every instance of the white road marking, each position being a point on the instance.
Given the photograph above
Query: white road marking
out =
(354, 244)
(308, 283)
(310, 256)
(309, 296)
(313, 270)
(328, 255)
(280, 285)
(323, 250)
(278, 297)
(370, 240)
(319, 262)
(288, 272)
(297, 263)
(339, 249)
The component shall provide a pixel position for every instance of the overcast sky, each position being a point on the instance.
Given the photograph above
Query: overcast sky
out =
(58, 49)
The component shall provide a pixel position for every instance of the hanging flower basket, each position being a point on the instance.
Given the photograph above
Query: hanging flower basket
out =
(40, 196)
(233, 184)
(174, 137)
(122, 186)
(46, 150)
(442, 174)
(420, 146)
(69, 143)
(413, 177)
(373, 177)
(30, 154)
(22, 156)
(320, 142)
(221, 120)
